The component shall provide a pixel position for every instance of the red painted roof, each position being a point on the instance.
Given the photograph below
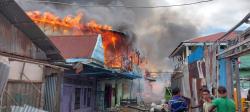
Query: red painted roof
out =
(75, 46)
(213, 37)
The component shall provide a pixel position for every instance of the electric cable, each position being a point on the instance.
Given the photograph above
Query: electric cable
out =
(117, 6)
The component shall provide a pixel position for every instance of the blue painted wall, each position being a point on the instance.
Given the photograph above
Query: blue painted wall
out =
(222, 73)
(196, 55)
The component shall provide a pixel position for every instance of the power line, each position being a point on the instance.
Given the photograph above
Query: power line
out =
(124, 6)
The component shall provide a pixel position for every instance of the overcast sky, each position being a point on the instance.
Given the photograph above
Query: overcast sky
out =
(214, 16)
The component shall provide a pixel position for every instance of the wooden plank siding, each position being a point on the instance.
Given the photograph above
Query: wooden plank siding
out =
(15, 42)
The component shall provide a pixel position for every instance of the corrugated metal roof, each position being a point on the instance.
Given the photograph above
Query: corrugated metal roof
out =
(11, 10)
(75, 46)
(206, 39)
(213, 37)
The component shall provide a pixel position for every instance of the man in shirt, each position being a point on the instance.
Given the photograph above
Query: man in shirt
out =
(223, 104)
(207, 100)
(201, 101)
(177, 103)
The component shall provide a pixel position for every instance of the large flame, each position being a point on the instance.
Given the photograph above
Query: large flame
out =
(65, 24)
(116, 52)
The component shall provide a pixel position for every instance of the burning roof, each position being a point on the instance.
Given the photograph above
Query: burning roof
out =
(77, 39)
(68, 25)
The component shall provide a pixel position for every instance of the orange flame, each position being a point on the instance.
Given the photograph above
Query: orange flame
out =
(67, 23)
(96, 27)
(115, 49)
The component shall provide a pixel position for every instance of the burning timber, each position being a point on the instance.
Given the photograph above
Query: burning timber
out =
(111, 73)
(118, 50)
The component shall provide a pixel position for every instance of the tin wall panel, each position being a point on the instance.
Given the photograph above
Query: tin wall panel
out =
(18, 18)
(50, 93)
(4, 73)
(16, 42)
(20, 93)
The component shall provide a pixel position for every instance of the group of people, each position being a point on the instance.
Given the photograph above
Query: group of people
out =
(179, 103)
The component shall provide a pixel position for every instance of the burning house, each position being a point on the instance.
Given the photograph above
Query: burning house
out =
(27, 79)
(102, 63)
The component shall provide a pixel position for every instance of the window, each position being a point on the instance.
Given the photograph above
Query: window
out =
(85, 97)
(89, 97)
(77, 98)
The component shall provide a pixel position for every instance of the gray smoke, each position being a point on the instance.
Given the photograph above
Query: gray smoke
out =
(156, 31)
(162, 34)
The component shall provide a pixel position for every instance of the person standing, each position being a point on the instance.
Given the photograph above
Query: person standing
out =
(201, 100)
(213, 92)
(177, 103)
(223, 104)
(248, 95)
(207, 100)
(248, 101)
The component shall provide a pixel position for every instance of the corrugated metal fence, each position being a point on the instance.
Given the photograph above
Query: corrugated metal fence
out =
(50, 93)
(4, 73)
(20, 93)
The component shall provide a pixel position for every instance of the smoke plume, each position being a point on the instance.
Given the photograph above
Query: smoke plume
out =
(156, 32)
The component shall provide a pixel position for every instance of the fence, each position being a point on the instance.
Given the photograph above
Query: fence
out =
(21, 93)
(4, 73)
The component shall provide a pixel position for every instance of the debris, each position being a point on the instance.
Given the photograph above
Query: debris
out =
(25, 108)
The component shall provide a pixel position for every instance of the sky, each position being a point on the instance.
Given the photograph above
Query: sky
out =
(214, 16)
(157, 31)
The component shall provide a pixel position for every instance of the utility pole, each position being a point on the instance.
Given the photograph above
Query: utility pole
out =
(238, 85)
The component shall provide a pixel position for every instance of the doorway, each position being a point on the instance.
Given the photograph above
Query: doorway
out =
(67, 98)
(108, 96)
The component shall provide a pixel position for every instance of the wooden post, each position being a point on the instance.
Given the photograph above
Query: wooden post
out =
(187, 53)
(59, 90)
(213, 70)
(131, 86)
(217, 67)
(42, 101)
(22, 72)
(238, 85)
(229, 78)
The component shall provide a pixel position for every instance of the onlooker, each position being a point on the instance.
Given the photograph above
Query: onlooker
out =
(177, 103)
(213, 92)
(223, 104)
(248, 95)
(201, 101)
(207, 100)
(248, 101)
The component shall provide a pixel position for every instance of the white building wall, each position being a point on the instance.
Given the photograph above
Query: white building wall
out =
(15, 70)
(31, 72)
(34, 72)
(185, 82)
(4, 60)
